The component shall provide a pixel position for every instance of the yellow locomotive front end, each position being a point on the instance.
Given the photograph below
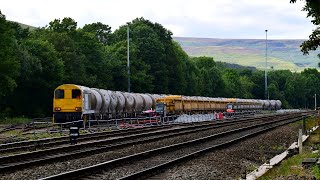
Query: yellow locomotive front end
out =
(67, 103)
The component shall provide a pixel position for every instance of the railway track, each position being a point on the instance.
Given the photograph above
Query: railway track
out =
(10, 128)
(33, 145)
(12, 162)
(24, 126)
(15, 162)
(145, 164)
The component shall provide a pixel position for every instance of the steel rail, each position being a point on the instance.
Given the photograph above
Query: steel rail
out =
(65, 139)
(27, 159)
(50, 142)
(9, 163)
(115, 162)
(160, 168)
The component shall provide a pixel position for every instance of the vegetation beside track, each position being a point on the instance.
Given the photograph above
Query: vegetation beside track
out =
(292, 167)
(16, 120)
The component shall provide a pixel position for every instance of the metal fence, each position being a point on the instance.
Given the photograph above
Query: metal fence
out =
(41, 125)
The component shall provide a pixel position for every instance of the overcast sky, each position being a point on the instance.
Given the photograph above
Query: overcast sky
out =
(241, 19)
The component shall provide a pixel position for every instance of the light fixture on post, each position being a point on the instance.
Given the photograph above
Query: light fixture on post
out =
(128, 58)
(265, 71)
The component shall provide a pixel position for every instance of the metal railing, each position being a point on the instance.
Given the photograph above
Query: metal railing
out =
(124, 123)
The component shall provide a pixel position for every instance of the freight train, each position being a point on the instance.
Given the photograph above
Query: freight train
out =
(74, 102)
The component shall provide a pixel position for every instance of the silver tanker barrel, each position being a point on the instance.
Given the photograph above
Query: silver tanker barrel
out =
(278, 104)
(155, 96)
(272, 104)
(153, 101)
(148, 102)
(113, 102)
(121, 102)
(105, 101)
(257, 104)
(129, 107)
(138, 103)
(261, 103)
(96, 100)
(266, 104)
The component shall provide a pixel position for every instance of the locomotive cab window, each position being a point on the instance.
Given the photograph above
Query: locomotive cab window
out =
(76, 94)
(59, 94)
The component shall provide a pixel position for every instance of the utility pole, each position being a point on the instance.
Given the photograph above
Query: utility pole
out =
(128, 60)
(265, 71)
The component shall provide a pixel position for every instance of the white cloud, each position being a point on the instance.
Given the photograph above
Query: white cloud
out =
(201, 18)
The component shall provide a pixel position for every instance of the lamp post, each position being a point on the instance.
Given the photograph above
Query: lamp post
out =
(265, 71)
(128, 59)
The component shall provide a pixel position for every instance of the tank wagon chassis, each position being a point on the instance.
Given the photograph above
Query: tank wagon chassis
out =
(73, 102)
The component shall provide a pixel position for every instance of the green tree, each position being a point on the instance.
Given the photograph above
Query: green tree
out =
(154, 46)
(313, 9)
(101, 31)
(192, 79)
(247, 87)
(232, 82)
(295, 92)
(41, 72)
(141, 81)
(9, 64)
(176, 69)
(312, 85)
(67, 25)
(258, 89)
(204, 62)
(210, 79)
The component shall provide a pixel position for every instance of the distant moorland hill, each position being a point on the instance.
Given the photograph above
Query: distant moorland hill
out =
(248, 53)
(282, 54)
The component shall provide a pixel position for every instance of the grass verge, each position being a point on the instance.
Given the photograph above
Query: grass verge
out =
(16, 120)
(291, 168)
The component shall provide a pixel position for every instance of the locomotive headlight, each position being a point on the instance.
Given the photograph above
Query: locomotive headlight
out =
(57, 109)
(78, 108)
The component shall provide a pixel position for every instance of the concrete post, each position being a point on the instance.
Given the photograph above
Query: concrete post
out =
(300, 141)
(304, 125)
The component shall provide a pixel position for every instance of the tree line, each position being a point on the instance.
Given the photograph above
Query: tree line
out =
(33, 63)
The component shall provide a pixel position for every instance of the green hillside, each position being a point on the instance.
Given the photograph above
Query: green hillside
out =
(25, 26)
(282, 54)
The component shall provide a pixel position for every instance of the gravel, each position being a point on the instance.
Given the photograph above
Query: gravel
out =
(238, 159)
(222, 164)
(71, 164)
